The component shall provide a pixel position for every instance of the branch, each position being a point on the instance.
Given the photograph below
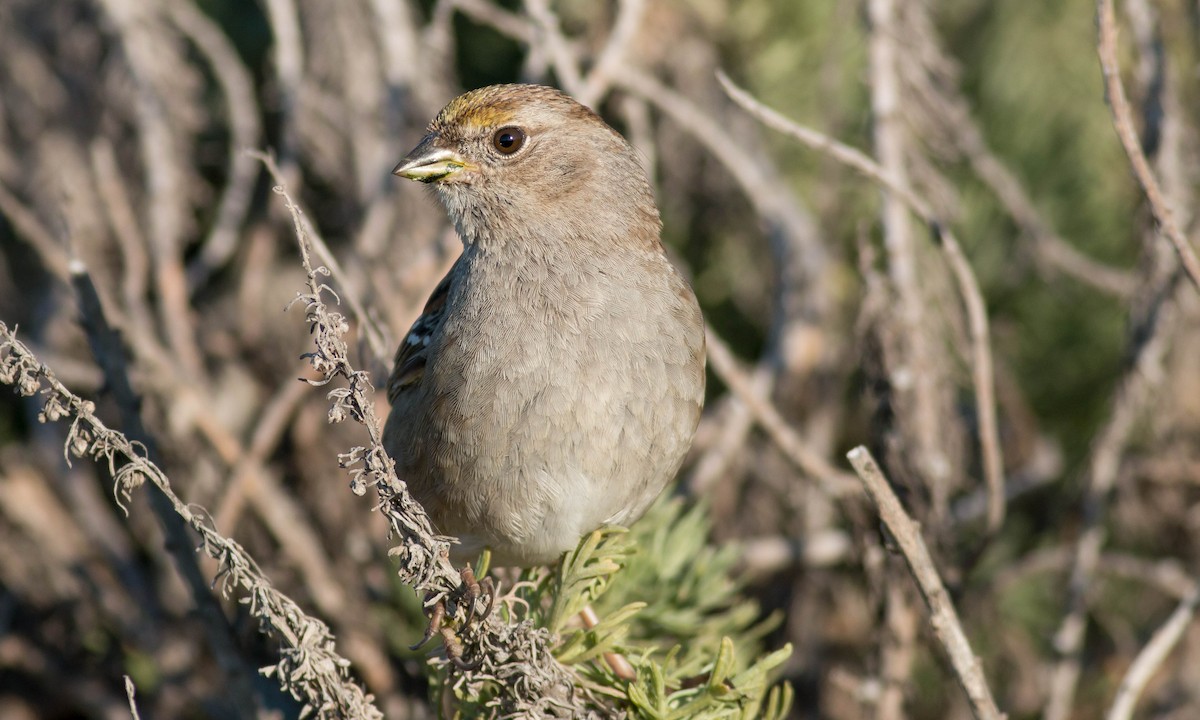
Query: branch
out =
(1132, 397)
(1122, 114)
(943, 617)
(983, 376)
(1152, 657)
(309, 667)
(833, 481)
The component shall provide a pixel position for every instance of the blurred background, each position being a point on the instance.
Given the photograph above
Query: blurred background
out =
(1059, 492)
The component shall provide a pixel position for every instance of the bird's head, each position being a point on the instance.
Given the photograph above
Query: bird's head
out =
(526, 162)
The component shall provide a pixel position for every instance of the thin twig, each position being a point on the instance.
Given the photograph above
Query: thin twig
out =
(130, 691)
(1152, 657)
(625, 28)
(943, 617)
(241, 106)
(1132, 396)
(1122, 114)
(833, 481)
(983, 375)
(368, 324)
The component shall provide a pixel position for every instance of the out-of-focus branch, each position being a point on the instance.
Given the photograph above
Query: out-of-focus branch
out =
(1152, 657)
(28, 226)
(1132, 396)
(900, 625)
(758, 179)
(118, 208)
(1106, 46)
(835, 482)
(911, 369)
(625, 28)
(162, 161)
(766, 556)
(563, 59)
(244, 128)
(983, 376)
(1051, 249)
(735, 421)
(943, 617)
(1155, 322)
(289, 69)
(508, 23)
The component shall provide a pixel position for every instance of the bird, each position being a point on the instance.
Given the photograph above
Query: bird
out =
(554, 381)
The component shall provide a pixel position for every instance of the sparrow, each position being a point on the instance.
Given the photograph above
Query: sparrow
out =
(554, 381)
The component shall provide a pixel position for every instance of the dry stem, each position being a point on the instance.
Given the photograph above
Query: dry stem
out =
(943, 617)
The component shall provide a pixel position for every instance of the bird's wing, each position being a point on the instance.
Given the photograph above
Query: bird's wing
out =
(409, 364)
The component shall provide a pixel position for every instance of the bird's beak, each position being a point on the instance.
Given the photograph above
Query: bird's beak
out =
(429, 163)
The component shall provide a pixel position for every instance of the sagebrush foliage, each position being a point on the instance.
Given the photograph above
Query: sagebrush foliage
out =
(670, 602)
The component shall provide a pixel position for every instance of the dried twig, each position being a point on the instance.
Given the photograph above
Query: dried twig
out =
(983, 375)
(369, 326)
(309, 667)
(1132, 396)
(130, 691)
(943, 617)
(1106, 47)
(832, 481)
(1152, 657)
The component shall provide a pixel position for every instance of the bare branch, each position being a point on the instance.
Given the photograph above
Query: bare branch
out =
(1152, 657)
(983, 375)
(943, 617)
(1106, 47)
(832, 481)
(1132, 397)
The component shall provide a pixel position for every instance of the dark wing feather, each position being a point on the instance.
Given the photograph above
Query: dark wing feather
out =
(409, 364)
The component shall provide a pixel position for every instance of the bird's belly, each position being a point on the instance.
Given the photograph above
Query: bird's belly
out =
(539, 427)
(526, 465)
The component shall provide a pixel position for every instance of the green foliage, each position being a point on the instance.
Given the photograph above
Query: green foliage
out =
(669, 602)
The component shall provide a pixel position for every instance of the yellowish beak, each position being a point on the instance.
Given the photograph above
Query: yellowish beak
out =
(429, 163)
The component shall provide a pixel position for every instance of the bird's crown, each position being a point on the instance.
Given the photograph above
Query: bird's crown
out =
(498, 105)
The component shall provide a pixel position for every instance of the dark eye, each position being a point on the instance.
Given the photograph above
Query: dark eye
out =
(508, 140)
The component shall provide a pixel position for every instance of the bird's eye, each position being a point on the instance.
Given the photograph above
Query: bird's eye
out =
(508, 140)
